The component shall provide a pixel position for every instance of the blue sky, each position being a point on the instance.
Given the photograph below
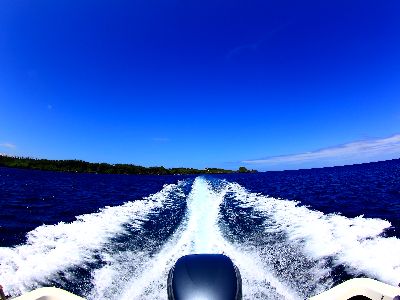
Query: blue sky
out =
(265, 84)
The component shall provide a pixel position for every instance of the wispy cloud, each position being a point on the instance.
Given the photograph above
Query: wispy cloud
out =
(253, 47)
(354, 152)
(243, 48)
(8, 145)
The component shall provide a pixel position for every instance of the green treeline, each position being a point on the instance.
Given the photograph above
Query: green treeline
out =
(87, 167)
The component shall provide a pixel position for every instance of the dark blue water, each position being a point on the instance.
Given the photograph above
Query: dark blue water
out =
(30, 198)
(293, 234)
(372, 190)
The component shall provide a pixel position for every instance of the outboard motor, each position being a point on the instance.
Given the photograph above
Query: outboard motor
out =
(204, 277)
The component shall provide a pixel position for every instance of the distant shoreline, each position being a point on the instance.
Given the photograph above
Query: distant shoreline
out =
(80, 166)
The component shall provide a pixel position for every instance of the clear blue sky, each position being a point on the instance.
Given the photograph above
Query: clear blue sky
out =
(201, 83)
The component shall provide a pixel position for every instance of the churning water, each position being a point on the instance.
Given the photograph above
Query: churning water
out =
(284, 249)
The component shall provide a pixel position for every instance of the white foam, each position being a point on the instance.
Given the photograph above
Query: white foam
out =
(141, 274)
(203, 231)
(198, 233)
(353, 242)
(53, 248)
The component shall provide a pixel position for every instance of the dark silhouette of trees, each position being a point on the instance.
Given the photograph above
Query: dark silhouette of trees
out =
(245, 170)
(87, 167)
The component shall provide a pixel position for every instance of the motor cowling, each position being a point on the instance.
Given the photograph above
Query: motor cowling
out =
(204, 276)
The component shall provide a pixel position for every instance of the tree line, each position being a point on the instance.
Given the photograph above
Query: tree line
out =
(81, 166)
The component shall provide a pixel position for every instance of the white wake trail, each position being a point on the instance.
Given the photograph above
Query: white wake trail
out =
(53, 248)
(356, 243)
(198, 233)
(284, 258)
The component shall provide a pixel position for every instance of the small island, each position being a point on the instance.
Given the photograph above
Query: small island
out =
(81, 166)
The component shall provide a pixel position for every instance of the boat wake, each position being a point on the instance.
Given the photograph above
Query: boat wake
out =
(283, 250)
